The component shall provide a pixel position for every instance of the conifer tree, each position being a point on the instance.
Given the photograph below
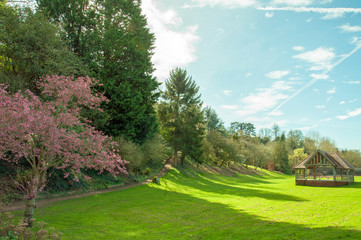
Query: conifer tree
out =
(181, 117)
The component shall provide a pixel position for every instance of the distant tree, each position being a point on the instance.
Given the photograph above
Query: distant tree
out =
(276, 131)
(265, 135)
(280, 155)
(52, 133)
(219, 149)
(212, 119)
(352, 156)
(297, 156)
(31, 48)
(243, 128)
(328, 145)
(294, 140)
(309, 145)
(180, 115)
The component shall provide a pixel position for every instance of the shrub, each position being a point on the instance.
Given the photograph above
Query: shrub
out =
(155, 150)
(132, 153)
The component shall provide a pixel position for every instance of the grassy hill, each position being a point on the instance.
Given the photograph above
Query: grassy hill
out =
(191, 204)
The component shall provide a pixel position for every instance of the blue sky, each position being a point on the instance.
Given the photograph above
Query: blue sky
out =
(291, 62)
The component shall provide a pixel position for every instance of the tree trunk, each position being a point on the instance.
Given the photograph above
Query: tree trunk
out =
(29, 212)
(182, 159)
(175, 158)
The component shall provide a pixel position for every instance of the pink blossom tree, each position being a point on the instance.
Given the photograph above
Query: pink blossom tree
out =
(50, 132)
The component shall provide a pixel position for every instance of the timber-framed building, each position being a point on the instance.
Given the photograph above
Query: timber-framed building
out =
(324, 169)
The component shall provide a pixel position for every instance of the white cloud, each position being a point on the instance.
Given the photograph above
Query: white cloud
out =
(353, 82)
(342, 102)
(277, 74)
(329, 13)
(229, 107)
(248, 74)
(227, 92)
(308, 127)
(172, 48)
(293, 2)
(326, 120)
(348, 28)
(320, 106)
(298, 48)
(350, 114)
(276, 113)
(264, 99)
(333, 15)
(319, 76)
(268, 14)
(332, 90)
(320, 58)
(225, 3)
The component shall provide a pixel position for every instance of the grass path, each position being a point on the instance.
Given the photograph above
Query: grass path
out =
(193, 205)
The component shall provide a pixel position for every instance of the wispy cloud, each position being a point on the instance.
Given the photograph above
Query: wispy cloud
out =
(319, 76)
(227, 92)
(298, 48)
(264, 98)
(172, 48)
(350, 114)
(225, 3)
(332, 90)
(268, 15)
(353, 82)
(329, 13)
(320, 58)
(320, 106)
(348, 28)
(326, 120)
(277, 74)
(292, 2)
(229, 107)
(314, 80)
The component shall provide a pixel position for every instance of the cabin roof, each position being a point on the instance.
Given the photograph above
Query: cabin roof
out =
(334, 158)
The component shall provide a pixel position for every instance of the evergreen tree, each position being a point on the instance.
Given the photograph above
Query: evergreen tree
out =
(180, 115)
(212, 119)
(113, 39)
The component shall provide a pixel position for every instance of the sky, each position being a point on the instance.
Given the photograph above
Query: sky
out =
(295, 63)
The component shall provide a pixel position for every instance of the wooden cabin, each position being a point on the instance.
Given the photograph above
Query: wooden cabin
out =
(324, 169)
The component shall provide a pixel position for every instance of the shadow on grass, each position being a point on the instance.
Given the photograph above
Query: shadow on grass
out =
(205, 184)
(152, 213)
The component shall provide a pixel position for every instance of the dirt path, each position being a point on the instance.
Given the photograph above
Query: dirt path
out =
(44, 202)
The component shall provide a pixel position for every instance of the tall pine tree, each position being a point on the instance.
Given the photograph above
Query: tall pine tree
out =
(181, 117)
(112, 37)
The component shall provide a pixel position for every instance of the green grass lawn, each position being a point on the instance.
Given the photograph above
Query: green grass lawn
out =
(191, 205)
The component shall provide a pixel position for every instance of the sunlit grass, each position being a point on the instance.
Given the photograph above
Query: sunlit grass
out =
(193, 205)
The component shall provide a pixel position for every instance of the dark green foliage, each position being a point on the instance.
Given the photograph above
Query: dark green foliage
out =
(31, 48)
(294, 140)
(180, 115)
(280, 156)
(113, 39)
(243, 128)
(212, 119)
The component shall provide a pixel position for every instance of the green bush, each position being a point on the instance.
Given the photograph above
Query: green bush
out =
(132, 153)
(155, 150)
(146, 172)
